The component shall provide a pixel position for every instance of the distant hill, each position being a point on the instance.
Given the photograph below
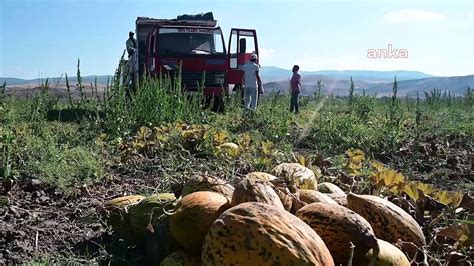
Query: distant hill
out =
(457, 85)
(72, 80)
(13, 81)
(275, 74)
(335, 82)
(268, 73)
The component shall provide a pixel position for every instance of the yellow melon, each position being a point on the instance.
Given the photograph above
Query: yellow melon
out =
(261, 176)
(327, 187)
(389, 255)
(313, 196)
(146, 213)
(390, 222)
(117, 215)
(296, 175)
(194, 215)
(339, 227)
(248, 190)
(254, 233)
(207, 183)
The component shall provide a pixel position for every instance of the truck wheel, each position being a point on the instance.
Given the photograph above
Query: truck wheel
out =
(206, 102)
(218, 104)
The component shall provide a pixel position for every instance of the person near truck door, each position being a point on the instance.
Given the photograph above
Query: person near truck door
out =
(130, 67)
(295, 85)
(252, 83)
(131, 44)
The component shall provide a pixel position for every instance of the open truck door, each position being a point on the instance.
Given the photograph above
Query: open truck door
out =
(242, 44)
(150, 59)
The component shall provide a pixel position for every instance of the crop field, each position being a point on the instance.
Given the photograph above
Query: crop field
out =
(62, 160)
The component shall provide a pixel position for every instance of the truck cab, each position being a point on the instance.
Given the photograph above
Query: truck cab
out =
(194, 47)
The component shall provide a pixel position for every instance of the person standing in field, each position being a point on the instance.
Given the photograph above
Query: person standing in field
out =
(252, 83)
(130, 67)
(295, 87)
(131, 44)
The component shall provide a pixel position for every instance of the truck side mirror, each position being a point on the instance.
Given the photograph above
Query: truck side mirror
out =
(242, 45)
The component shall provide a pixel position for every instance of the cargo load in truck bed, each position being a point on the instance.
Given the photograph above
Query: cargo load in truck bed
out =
(202, 16)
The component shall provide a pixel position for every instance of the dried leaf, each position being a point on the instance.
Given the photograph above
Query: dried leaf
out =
(354, 166)
(355, 155)
(467, 203)
(355, 173)
(427, 203)
(102, 137)
(143, 133)
(461, 232)
(220, 137)
(449, 197)
(267, 147)
(244, 140)
(457, 258)
(411, 189)
(378, 165)
(303, 160)
(138, 144)
(388, 178)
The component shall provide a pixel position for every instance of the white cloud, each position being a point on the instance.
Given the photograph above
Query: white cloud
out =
(412, 15)
(266, 53)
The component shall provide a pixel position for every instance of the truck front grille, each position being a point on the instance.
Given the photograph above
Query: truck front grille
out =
(212, 79)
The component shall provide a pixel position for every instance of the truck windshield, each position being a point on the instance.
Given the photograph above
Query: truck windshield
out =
(190, 41)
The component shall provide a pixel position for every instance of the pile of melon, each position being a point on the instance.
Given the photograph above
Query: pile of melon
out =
(282, 218)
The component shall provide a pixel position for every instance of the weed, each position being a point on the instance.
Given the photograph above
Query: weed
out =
(394, 117)
(56, 141)
(433, 98)
(3, 90)
(351, 93)
(469, 96)
(6, 141)
(61, 165)
(363, 106)
(320, 86)
(417, 117)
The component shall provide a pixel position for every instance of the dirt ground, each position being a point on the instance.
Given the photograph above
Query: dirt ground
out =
(44, 223)
(447, 162)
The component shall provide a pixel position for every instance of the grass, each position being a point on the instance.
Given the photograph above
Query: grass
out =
(49, 139)
(159, 130)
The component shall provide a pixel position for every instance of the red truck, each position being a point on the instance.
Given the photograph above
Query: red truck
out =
(194, 46)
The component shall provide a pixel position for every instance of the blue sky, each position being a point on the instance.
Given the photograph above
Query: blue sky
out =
(44, 38)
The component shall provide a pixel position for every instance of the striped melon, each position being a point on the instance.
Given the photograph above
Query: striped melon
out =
(254, 233)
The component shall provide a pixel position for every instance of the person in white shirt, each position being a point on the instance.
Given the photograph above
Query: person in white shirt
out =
(252, 83)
